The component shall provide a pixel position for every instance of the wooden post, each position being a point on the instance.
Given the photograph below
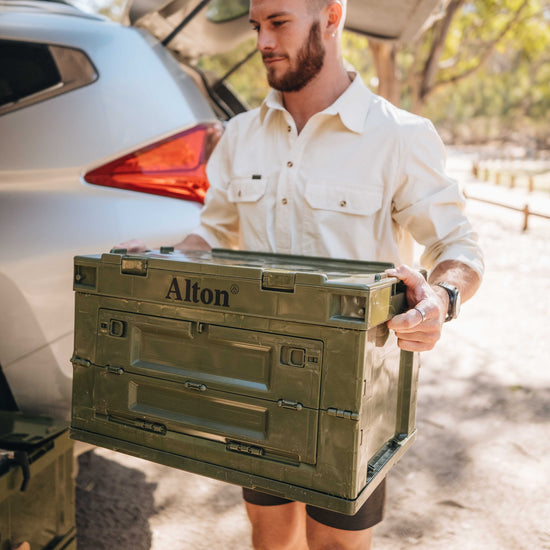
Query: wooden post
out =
(525, 217)
(497, 178)
(531, 184)
(512, 181)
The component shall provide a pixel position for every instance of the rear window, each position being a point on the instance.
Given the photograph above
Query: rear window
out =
(25, 69)
(221, 11)
(31, 72)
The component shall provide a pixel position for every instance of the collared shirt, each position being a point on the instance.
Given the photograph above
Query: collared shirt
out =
(357, 182)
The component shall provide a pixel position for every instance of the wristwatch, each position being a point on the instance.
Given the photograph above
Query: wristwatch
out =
(454, 300)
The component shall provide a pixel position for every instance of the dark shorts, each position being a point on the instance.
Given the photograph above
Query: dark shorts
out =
(367, 516)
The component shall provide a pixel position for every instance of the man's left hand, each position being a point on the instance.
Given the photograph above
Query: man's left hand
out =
(419, 328)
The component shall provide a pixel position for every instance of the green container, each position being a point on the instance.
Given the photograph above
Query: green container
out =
(36, 483)
(271, 372)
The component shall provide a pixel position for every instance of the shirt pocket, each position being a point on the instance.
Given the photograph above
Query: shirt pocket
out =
(344, 199)
(246, 189)
(341, 220)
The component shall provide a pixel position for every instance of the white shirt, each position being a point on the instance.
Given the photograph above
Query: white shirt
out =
(360, 178)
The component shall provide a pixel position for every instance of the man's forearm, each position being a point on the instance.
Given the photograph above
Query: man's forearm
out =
(458, 274)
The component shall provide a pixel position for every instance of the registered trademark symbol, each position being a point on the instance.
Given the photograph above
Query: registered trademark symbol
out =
(234, 289)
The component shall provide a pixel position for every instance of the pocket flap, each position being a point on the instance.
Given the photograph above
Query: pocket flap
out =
(246, 189)
(341, 198)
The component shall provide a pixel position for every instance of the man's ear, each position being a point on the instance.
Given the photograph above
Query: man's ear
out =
(333, 17)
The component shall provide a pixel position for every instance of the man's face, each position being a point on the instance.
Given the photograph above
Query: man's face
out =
(290, 42)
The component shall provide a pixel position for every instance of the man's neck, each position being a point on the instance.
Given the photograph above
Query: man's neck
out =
(317, 95)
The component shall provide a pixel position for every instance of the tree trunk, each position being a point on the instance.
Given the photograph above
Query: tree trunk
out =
(383, 54)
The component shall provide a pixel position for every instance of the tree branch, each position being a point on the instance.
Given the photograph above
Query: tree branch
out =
(436, 51)
(489, 49)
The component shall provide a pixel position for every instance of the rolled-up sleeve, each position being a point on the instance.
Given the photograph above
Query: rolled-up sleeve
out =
(429, 204)
(219, 221)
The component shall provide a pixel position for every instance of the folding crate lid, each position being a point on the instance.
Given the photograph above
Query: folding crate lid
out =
(254, 265)
(20, 432)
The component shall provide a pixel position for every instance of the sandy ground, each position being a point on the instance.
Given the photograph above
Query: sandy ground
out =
(478, 475)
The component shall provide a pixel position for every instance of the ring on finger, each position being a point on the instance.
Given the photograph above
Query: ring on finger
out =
(422, 313)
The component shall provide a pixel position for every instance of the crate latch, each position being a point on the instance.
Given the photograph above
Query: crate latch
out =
(134, 265)
(282, 281)
(348, 415)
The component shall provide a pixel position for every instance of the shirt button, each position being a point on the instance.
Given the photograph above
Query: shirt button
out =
(290, 164)
(343, 204)
(289, 128)
(284, 201)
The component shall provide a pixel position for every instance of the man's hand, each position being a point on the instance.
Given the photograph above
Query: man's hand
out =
(190, 243)
(133, 246)
(415, 331)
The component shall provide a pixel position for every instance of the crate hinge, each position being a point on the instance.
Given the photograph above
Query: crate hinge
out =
(114, 370)
(244, 448)
(80, 362)
(146, 425)
(349, 415)
(151, 426)
(294, 405)
(196, 386)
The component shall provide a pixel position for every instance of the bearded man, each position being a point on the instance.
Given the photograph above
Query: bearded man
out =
(326, 168)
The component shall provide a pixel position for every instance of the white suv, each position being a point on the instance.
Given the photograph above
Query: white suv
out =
(103, 137)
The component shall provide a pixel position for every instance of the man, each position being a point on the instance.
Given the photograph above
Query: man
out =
(326, 168)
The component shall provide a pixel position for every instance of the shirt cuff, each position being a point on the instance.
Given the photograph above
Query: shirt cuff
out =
(212, 237)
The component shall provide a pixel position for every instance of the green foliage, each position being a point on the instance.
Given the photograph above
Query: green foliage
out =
(225, 10)
(509, 95)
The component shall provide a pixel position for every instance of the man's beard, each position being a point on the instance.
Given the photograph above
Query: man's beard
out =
(309, 62)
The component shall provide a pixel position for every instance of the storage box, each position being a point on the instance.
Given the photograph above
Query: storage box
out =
(271, 372)
(36, 483)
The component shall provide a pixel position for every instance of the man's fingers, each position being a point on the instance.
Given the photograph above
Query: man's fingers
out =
(419, 340)
(133, 245)
(409, 276)
(409, 320)
(415, 345)
(422, 314)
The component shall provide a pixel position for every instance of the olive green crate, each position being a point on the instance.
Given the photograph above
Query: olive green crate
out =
(37, 488)
(268, 371)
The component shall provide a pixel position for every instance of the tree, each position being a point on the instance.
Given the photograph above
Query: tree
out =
(454, 47)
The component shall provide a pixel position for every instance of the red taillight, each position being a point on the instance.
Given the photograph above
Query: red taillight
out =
(173, 167)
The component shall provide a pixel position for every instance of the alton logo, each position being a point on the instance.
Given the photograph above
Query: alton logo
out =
(193, 293)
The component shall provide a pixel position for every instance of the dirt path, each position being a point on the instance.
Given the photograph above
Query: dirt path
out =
(478, 476)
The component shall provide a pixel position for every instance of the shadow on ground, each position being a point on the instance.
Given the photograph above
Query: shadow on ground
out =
(113, 505)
